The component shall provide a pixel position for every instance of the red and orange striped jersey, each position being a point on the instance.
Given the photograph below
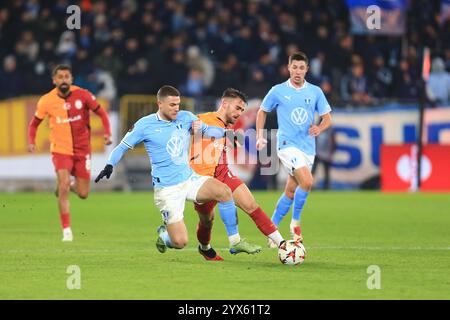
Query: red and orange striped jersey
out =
(68, 120)
(207, 153)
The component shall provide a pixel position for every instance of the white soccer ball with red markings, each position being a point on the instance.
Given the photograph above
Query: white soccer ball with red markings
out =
(292, 252)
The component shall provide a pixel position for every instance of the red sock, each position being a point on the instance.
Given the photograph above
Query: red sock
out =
(204, 233)
(65, 219)
(263, 222)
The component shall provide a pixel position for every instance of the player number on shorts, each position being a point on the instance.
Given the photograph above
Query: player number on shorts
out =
(88, 163)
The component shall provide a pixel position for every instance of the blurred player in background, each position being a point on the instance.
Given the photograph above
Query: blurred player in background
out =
(209, 158)
(68, 108)
(296, 102)
(166, 136)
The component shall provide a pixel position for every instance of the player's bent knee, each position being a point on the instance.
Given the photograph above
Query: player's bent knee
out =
(307, 185)
(249, 207)
(224, 193)
(179, 243)
(83, 195)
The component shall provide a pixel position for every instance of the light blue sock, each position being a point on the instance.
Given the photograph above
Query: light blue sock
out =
(283, 206)
(299, 201)
(228, 213)
(165, 236)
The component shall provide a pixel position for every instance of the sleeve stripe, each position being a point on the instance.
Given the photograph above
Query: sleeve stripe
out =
(264, 108)
(327, 111)
(96, 108)
(126, 144)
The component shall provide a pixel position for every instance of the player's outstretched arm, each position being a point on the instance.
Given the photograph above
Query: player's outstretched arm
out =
(113, 159)
(211, 131)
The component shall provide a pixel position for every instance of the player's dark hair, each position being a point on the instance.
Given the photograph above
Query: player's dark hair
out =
(234, 93)
(298, 56)
(166, 91)
(61, 67)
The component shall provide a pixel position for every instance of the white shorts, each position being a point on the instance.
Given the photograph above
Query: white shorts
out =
(170, 200)
(292, 159)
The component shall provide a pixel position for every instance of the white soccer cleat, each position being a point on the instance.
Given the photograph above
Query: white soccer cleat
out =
(271, 243)
(67, 235)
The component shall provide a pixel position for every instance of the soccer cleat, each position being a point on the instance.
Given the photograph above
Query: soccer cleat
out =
(67, 235)
(160, 245)
(271, 244)
(296, 234)
(210, 254)
(243, 246)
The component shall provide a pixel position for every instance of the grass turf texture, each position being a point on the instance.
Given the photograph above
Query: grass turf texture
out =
(406, 235)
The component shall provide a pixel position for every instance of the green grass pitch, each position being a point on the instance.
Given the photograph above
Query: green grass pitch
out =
(406, 235)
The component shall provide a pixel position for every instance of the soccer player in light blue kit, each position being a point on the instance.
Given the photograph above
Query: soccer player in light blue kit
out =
(296, 102)
(166, 135)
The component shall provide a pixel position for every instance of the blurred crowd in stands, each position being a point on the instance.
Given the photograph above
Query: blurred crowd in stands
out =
(205, 46)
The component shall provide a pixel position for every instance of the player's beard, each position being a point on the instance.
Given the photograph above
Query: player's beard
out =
(64, 88)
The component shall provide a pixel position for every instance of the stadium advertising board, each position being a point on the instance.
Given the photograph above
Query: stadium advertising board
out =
(399, 168)
(360, 134)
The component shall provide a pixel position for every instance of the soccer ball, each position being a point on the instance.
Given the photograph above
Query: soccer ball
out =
(292, 252)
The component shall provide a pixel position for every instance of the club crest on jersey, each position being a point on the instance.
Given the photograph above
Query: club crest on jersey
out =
(78, 104)
(308, 101)
(67, 106)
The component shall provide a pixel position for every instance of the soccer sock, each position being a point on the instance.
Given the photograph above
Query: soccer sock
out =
(228, 214)
(283, 206)
(205, 247)
(166, 238)
(65, 219)
(204, 235)
(262, 221)
(299, 201)
(276, 237)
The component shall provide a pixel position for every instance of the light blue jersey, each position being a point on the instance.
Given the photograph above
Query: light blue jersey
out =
(167, 144)
(295, 111)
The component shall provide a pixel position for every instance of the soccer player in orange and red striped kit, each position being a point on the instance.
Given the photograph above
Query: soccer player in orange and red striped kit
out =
(208, 158)
(68, 108)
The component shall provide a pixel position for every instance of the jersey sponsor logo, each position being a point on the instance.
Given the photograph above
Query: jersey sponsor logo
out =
(78, 104)
(299, 116)
(175, 146)
(59, 120)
